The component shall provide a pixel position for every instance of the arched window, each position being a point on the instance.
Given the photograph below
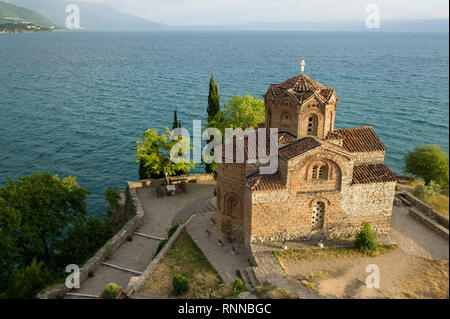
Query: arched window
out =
(323, 172)
(312, 125)
(285, 121)
(318, 215)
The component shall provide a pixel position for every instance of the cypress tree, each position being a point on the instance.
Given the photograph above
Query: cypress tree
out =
(176, 123)
(213, 98)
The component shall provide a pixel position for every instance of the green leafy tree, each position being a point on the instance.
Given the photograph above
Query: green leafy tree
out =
(112, 197)
(430, 163)
(153, 152)
(240, 112)
(43, 218)
(28, 281)
(35, 210)
(83, 239)
(213, 98)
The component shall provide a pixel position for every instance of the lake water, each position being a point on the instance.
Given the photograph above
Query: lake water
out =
(75, 103)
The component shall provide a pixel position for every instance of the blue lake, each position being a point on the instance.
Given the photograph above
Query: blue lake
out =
(74, 103)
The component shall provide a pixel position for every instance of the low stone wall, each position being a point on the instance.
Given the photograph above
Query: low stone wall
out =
(137, 283)
(425, 209)
(192, 178)
(430, 223)
(134, 208)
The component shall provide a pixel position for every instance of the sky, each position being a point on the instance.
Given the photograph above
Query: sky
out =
(219, 12)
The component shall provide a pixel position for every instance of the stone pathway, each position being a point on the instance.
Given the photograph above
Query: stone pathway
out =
(221, 258)
(137, 254)
(415, 238)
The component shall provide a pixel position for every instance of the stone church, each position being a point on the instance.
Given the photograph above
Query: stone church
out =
(328, 180)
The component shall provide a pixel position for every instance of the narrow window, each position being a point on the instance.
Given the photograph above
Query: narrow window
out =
(314, 172)
(312, 126)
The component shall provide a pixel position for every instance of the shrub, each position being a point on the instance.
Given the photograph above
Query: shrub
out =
(427, 193)
(111, 291)
(180, 285)
(28, 281)
(108, 251)
(160, 247)
(172, 230)
(112, 197)
(238, 287)
(366, 241)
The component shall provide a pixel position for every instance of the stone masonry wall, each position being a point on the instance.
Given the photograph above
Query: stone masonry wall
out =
(231, 185)
(279, 215)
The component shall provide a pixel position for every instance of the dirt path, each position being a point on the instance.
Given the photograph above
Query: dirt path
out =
(401, 275)
(418, 268)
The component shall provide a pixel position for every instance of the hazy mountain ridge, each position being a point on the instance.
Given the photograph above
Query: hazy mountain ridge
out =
(10, 13)
(97, 16)
(93, 16)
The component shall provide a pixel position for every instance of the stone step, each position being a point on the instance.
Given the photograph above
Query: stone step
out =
(254, 281)
(245, 277)
(146, 296)
(73, 295)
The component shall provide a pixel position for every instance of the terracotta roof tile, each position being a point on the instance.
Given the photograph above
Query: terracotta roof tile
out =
(372, 173)
(298, 147)
(259, 182)
(359, 139)
(302, 88)
(286, 137)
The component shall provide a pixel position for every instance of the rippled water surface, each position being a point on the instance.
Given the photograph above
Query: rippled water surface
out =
(75, 103)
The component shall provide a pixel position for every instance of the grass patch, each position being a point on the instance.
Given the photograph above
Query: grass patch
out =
(269, 291)
(309, 285)
(336, 252)
(410, 295)
(440, 202)
(186, 258)
(312, 280)
(429, 280)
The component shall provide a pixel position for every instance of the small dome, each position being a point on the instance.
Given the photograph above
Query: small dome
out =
(302, 87)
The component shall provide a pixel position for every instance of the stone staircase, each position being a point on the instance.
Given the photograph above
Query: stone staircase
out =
(249, 277)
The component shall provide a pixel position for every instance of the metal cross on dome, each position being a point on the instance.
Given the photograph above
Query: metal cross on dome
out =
(302, 66)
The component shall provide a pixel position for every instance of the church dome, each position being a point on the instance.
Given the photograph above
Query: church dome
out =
(302, 87)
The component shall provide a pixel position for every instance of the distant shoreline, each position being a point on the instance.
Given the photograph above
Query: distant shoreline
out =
(22, 28)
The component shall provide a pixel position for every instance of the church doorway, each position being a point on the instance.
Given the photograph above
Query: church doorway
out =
(318, 215)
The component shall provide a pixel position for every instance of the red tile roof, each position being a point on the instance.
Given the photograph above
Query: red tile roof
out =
(286, 137)
(358, 139)
(372, 173)
(302, 88)
(259, 182)
(298, 147)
